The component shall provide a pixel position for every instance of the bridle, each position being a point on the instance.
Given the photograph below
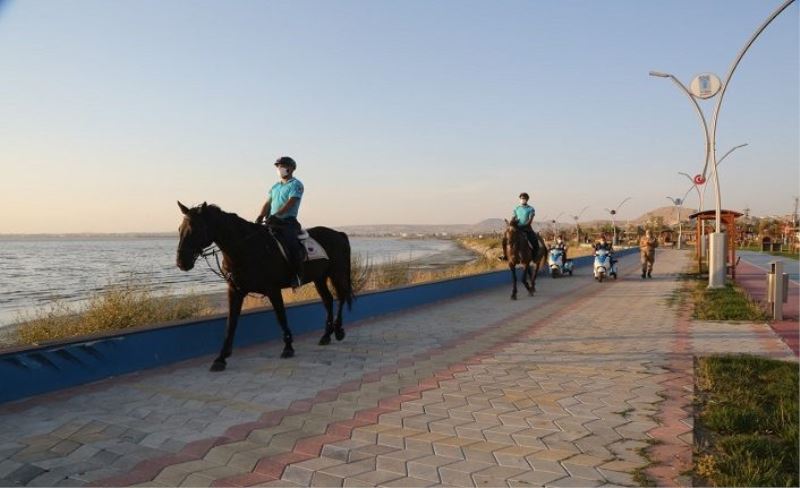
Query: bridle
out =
(213, 251)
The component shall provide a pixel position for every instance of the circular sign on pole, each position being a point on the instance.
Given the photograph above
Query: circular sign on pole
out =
(705, 85)
(699, 180)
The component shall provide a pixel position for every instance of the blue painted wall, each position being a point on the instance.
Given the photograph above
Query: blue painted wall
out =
(48, 368)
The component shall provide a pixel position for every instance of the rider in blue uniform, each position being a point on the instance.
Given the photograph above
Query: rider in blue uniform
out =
(524, 214)
(280, 210)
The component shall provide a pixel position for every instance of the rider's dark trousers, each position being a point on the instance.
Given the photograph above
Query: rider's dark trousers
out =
(288, 229)
(532, 239)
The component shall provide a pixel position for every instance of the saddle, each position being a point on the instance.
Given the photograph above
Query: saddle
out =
(313, 251)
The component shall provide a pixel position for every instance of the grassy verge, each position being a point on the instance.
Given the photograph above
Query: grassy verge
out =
(728, 303)
(747, 422)
(132, 305)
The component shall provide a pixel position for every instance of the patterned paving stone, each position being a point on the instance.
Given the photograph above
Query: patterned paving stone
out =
(561, 389)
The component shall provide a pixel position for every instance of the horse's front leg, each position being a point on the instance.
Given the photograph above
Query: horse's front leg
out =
(513, 280)
(276, 299)
(235, 300)
(527, 279)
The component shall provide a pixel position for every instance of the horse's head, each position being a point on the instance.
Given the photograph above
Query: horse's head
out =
(194, 235)
(511, 230)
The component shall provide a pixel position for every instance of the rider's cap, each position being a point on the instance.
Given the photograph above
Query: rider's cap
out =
(286, 161)
(524, 195)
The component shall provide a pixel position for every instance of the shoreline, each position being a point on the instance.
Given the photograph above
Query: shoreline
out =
(218, 300)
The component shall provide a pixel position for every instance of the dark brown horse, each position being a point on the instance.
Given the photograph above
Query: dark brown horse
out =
(253, 263)
(519, 251)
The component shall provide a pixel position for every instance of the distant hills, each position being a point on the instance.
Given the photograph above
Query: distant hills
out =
(669, 213)
(489, 226)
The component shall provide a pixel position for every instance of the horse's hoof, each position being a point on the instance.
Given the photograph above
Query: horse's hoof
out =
(513, 297)
(217, 366)
(530, 293)
(324, 340)
(287, 353)
(339, 334)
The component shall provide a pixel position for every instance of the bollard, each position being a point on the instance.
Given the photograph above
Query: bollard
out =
(785, 283)
(777, 285)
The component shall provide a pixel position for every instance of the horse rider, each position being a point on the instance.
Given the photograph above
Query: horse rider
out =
(523, 215)
(280, 211)
(647, 249)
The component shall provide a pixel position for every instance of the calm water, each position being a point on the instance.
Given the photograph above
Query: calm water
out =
(35, 272)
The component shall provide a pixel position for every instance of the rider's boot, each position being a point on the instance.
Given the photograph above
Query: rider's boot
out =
(297, 271)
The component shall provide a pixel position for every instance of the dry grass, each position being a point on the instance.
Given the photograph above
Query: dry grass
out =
(118, 307)
(371, 277)
(132, 304)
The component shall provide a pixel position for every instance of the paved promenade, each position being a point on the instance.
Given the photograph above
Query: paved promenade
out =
(562, 389)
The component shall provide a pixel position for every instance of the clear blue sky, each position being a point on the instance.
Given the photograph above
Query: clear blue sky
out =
(397, 112)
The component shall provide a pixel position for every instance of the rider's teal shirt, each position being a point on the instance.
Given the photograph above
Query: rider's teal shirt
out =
(281, 192)
(524, 215)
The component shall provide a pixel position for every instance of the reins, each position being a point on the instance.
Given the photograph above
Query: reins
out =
(214, 251)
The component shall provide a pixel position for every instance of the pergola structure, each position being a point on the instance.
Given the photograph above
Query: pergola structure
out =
(729, 227)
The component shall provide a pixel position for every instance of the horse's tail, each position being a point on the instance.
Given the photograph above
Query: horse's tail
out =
(349, 294)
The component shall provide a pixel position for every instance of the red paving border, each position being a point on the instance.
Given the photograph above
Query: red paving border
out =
(672, 456)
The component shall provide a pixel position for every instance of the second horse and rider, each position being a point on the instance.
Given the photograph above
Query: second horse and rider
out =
(275, 253)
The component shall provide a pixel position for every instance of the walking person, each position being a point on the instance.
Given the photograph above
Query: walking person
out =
(647, 249)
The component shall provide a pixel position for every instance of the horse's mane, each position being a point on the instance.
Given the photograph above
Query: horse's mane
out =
(231, 220)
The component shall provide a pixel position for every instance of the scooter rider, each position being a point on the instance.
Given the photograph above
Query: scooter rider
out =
(562, 246)
(606, 246)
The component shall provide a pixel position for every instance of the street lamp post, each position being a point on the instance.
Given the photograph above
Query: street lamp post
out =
(701, 196)
(613, 213)
(678, 203)
(554, 222)
(578, 229)
(717, 259)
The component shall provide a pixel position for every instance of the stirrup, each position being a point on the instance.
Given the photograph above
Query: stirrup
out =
(296, 282)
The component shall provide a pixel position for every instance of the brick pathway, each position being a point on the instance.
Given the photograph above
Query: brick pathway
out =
(563, 389)
(753, 279)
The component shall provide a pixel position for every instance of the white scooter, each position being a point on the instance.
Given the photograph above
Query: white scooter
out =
(558, 267)
(602, 265)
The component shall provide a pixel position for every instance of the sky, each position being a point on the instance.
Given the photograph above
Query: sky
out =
(415, 112)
